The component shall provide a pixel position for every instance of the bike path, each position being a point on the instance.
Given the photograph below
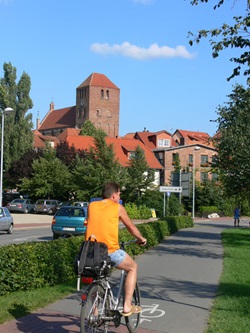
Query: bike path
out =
(178, 280)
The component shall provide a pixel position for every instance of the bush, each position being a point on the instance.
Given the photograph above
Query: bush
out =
(138, 212)
(32, 265)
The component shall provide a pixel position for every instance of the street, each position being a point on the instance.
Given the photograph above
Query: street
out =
(28, 227)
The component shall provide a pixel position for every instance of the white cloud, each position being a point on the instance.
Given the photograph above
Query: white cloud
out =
(129, 50)
(5, 1)
(144, 2)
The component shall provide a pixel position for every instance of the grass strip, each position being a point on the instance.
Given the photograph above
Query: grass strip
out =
(231, 311)
(21, 303)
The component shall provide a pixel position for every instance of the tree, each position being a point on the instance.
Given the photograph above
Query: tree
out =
(140, 177)
(51, 178)
(233, 142)
(99, 166)
(89, 129)
(22, 168)
(233, 36)
(67, 154)
(18, 135)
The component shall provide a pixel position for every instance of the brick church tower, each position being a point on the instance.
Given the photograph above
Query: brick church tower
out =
(98, 100)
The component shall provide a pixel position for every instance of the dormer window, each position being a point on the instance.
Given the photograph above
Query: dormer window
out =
(163, 143)
(131, 154)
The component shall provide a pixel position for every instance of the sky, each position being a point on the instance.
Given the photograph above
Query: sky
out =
(140, 45)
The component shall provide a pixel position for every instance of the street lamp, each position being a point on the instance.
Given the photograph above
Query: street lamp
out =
(4, 112)
(196, 148)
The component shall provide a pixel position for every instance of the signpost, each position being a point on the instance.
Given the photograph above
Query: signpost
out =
(168, 189)
(175, 189)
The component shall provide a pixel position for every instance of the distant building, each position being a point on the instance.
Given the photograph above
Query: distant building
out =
(97, 100)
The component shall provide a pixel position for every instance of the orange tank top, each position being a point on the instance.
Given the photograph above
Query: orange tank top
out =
(103, 223)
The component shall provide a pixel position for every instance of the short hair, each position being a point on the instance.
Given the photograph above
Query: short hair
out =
(109, 189)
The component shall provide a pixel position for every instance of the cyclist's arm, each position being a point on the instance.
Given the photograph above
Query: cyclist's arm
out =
(130, 225)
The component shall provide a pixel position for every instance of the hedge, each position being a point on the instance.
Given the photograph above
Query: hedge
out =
(32, 265)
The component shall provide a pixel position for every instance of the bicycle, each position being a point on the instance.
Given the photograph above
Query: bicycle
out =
(100, 305)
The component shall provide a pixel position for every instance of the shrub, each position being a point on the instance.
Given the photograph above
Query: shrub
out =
(32, 265)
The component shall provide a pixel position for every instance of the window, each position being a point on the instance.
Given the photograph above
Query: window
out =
(102, 94)
(190, 159)
(99, 113)
(175, 157)
(204, 160)
(214, 177)
(163, 142)
(107, 94)
(204, 177)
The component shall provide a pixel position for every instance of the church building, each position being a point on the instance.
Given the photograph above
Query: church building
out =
(97, 100)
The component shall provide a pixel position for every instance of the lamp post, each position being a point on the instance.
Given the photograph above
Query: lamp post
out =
(4, 112)
(193, 208)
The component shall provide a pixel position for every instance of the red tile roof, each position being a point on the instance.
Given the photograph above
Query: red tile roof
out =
(39, 140)
(68, 132)
(98, 80)
(150, 138)
(121, 147)
(60, 118)
(192, 137)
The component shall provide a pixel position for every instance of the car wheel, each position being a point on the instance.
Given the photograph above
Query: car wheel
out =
(26, 211)
(55, 236)
(50, 212)
(10, 230)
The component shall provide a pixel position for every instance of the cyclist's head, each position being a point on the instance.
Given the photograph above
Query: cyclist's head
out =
(110, 189)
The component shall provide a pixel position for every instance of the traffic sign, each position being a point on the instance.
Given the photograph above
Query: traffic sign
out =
(171, 189)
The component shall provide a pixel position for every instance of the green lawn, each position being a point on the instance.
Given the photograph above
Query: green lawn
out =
(20, 303)
(231, 308)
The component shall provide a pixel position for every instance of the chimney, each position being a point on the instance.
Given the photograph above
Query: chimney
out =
(51, 106)
(37, 121)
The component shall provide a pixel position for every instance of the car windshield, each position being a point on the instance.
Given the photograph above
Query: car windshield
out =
(69, 211)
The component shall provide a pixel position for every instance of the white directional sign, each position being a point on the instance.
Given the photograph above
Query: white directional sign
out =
(170, 189)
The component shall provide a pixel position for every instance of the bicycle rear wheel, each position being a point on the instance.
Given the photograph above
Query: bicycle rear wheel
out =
(133, 321)
(90, 318)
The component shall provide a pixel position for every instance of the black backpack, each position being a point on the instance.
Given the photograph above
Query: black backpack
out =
(92, 259)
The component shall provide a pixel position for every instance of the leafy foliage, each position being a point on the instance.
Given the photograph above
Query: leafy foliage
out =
(233, 143)
(28, 266)
(99, 166)
(233, 36)
(22, 168)
(18, 135)
(89, 129)
(51, 178)
(67, 154)
(139, 175)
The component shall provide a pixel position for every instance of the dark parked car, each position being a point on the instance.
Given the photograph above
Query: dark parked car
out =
(21, 205)
(69, 221)
(6, 220)
(46, 206)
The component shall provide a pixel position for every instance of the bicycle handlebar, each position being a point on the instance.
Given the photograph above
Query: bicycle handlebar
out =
(123, 243)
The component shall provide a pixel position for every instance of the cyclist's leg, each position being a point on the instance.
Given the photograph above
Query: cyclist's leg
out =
(130, 266)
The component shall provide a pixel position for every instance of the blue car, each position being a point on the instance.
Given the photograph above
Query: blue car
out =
(69, 221)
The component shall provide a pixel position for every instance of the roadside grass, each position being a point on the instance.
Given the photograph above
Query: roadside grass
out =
(231, 310)
(21, 303)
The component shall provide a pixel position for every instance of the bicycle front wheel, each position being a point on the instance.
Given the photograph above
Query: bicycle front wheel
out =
(92, 308)
(133, 321)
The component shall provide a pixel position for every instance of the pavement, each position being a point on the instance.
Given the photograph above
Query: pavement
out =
(178, 280)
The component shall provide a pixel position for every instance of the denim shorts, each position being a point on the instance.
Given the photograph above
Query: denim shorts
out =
(117, 257)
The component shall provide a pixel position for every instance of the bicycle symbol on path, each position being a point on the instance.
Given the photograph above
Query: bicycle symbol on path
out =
(150, 312)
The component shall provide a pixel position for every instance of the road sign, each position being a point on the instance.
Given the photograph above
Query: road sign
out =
(170, 189)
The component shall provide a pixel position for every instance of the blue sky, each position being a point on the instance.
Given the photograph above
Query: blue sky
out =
(140, 45)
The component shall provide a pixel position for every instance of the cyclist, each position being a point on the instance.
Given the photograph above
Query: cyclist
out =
(103, 222)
